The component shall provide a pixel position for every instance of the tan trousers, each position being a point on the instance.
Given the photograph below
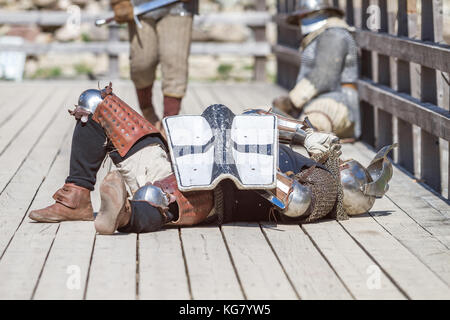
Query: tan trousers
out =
(166, 41)
(150, 164)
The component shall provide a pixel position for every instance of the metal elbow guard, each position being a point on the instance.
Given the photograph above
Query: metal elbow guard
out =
(153, 195)
(299, 201)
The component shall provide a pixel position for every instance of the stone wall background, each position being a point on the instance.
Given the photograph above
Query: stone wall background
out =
(92, 66)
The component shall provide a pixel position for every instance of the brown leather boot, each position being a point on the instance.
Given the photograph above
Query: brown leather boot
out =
(145, 102)
(115, 210)
(172, 106)
(73, 203)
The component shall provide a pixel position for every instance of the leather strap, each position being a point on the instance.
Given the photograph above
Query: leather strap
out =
(349, 85)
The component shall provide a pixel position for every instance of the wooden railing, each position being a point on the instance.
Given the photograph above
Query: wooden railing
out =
(403, 84)
(257, 46)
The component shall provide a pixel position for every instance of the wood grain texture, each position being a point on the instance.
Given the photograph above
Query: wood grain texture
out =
(351, 262)
(162, 273)
(211, 272)
(261, 275)
(308, 271)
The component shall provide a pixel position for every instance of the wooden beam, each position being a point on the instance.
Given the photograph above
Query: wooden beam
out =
(287, 54)
(425, 115)
(59, 18)
(428, 54)
(197, 48)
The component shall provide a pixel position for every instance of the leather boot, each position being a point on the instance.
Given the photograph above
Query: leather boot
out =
(145, 102)
(73, 203)
(115, 209)
(172, 106)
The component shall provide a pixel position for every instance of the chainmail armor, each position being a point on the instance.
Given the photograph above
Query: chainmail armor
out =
(324, 191)
(321, 69)
(331, 161)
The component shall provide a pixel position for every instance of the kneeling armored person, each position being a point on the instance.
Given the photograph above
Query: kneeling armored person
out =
(325, 89)
(304, 189)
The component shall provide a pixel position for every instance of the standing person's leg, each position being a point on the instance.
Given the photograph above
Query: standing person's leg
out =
(174, 37)
(73, 200)
(143, 62)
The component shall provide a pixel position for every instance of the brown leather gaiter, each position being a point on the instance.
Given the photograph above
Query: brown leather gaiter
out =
(145, 102)
(172, 106)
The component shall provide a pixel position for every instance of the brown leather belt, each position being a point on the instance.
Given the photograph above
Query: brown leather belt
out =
(349, 85)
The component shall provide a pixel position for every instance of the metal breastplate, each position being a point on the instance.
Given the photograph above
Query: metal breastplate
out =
(350, 71)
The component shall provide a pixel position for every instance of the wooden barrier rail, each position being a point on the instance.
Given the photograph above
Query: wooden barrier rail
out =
(403, 88)
(258, 47)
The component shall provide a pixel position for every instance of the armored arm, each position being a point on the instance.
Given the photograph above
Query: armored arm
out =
(290, 131)
(294, 132)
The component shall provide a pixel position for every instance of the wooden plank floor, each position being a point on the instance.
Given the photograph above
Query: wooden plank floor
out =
(400, 250)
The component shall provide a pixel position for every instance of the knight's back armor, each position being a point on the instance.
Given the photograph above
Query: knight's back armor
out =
(349, 72)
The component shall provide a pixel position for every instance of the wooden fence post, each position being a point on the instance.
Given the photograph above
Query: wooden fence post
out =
(430, 155)
(367, 110)
(405, 155)
(259, 68)
(383, 119)
(113, 58)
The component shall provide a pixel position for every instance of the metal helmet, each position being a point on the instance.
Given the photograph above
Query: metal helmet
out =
(362, 186)
(89, 99)
(304, 8)
(153, 195)
(299, 201)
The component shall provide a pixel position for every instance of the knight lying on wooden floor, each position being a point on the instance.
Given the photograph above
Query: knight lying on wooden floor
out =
(216, 167)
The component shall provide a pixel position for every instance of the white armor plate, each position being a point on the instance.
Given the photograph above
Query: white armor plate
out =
(219, 145)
